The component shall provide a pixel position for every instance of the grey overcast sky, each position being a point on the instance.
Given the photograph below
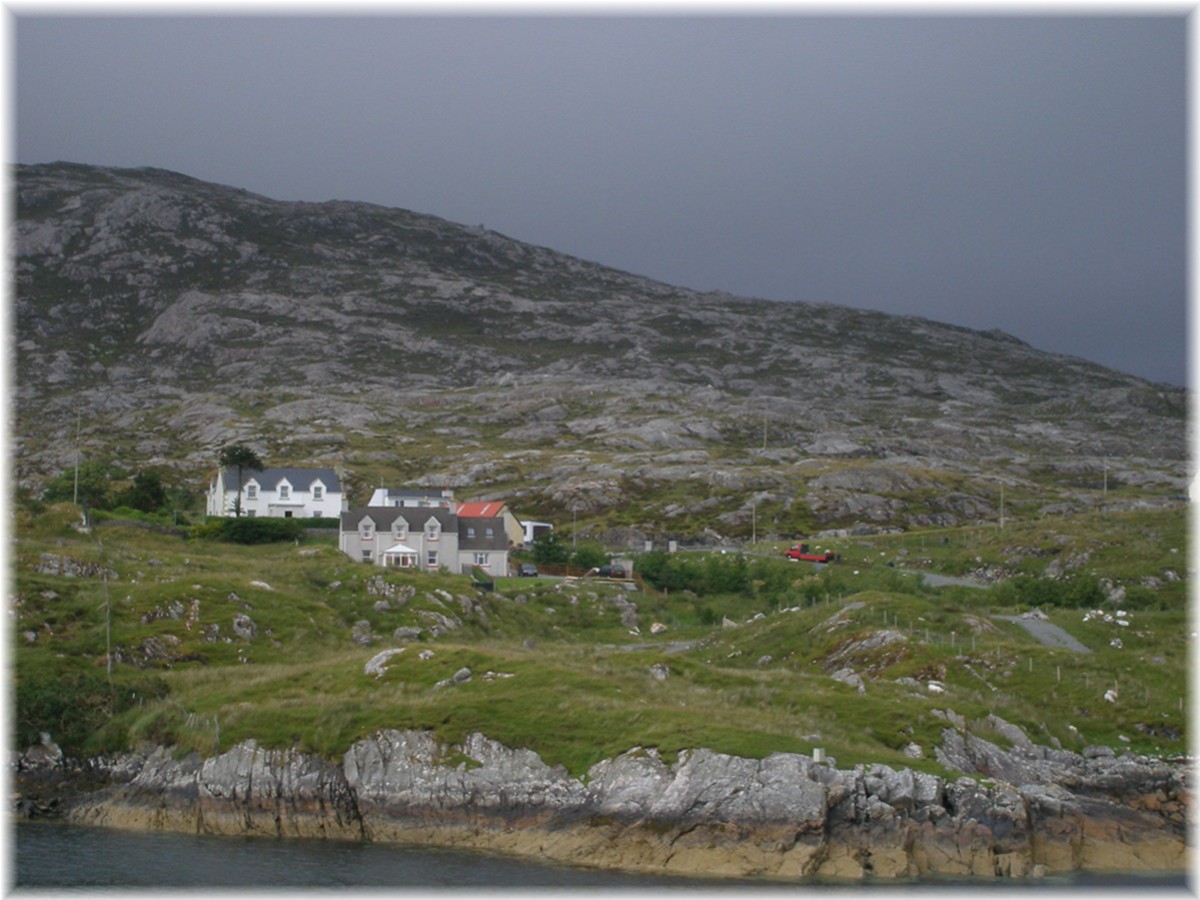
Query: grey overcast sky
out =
(1022, 172)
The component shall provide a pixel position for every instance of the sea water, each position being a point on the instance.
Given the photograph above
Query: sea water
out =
(54, 856)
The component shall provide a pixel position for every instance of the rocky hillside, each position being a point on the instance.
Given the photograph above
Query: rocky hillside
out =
(168, 317)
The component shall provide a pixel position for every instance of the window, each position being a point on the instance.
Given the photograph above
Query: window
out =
(489, 532)
(481, 559)
(249, 513)
(431, 559)
(252, 491)
(366, 555)
(318, 492)
(366, 530)
(470, 533)
(432, 530)
(400, 529)
(284, 490)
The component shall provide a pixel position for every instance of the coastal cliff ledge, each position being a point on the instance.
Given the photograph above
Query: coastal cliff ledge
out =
(1021, 812)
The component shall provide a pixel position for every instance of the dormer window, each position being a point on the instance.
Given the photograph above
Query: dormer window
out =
(252, 491)
(366, 530)
(318, 492)
(285, 490)
(433, 530)
(470, 533)
(400, 529)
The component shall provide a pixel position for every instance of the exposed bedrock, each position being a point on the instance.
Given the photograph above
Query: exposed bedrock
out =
(784, 816)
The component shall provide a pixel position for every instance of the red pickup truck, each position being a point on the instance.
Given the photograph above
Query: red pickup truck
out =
(800, 551)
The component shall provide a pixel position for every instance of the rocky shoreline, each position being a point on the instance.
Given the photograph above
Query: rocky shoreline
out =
(1018, 812)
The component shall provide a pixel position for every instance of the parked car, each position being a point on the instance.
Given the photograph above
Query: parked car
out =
(613, 570)
(527, 570)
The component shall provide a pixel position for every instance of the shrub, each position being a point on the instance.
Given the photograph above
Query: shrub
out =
(589, 556)
(549, 550)
(250, 530)
(1027, 590)
(71, 706)
(91, 482)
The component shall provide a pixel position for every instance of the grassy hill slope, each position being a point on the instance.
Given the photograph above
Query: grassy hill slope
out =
(215, 643)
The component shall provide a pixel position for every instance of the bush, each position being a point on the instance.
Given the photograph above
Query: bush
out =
(91, 482)
(250, 530)
(146, 493)
(549, 550)
(1027, 590)
(589, 556)
(71, 706)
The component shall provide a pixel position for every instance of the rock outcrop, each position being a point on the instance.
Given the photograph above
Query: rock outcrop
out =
(1019, 813)
(149, 300)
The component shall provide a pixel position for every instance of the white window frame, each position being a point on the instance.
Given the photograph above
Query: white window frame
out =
(400, 529)
(431, 559)
(285, 490)
(251, 491)
(318, 491)
(481, 559)
(433, 530)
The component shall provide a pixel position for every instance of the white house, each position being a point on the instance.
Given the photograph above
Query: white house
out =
(401, 537)
(427, 538)
(283, 493)
(434, 497)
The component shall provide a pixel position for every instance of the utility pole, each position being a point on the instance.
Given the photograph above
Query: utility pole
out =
(75, 496)
(107, 614)
(107, 625)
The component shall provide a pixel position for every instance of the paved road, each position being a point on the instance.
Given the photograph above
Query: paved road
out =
(1048, 634)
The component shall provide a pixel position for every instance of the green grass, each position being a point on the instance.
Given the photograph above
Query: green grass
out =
(572, 682)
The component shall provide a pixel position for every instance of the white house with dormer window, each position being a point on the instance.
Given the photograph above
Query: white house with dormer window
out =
(424, 538)
(280, 492)
(401, 537)
(435, 497)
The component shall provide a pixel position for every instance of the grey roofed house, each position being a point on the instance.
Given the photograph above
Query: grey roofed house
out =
(412, 496)
(276, 491)
(473, 533)
(384, 516)
(270, 477)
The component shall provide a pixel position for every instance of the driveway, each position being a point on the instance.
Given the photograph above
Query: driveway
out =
(1047, 633)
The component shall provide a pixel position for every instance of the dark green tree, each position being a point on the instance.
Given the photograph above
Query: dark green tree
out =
(95, 482)
(589, 555)
(549, 550)
(146, 493)
(242, 458)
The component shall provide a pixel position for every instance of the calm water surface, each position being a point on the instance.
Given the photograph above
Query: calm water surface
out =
(56, 856)
(60, 857)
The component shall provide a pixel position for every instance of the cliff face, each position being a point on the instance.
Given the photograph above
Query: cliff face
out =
(784, 816)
